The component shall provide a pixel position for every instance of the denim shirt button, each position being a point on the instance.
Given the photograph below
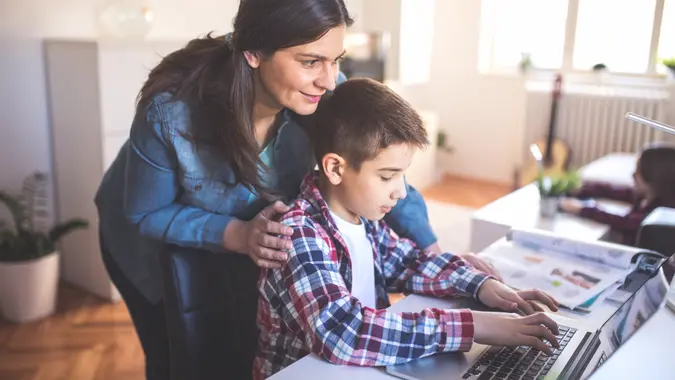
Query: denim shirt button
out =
(198, 186)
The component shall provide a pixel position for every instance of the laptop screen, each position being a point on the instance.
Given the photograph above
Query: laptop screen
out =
(629, 317)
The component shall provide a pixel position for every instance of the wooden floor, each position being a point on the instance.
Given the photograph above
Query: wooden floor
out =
(92, 339)
(86, 339)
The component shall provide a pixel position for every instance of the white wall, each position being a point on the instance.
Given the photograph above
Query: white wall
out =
(25, 141)
(483, 115)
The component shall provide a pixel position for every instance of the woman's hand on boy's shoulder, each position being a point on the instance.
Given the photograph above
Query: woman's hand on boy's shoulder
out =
(495, 294)
(263, 237)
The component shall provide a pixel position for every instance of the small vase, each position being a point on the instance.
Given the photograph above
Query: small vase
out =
(548, 206)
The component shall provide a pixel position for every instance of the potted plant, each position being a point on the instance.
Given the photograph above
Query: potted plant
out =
(525, 62)
(670, 64)
(29, 261)
(552, 187)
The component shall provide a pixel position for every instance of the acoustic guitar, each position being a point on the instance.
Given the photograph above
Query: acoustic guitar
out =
(555, 153)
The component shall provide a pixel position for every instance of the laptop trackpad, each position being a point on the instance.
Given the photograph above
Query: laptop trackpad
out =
(451, 365)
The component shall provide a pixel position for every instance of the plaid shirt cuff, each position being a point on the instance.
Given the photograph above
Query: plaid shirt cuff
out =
(459, 330)
(469, 280)
(483, 277)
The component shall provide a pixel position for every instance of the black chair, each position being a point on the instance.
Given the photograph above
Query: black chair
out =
(211, 302)
(657, 233)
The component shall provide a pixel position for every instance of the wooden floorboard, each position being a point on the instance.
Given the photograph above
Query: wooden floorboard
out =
(466, 191)
(92, 339)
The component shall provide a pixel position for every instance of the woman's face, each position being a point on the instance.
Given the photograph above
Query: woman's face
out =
(298, 76)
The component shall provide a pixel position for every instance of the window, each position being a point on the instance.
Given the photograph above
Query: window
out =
(614, 32)
(625, 35)
(513, 33)
(667, 38)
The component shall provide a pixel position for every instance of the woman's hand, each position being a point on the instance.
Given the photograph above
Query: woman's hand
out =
(497, 295)
(472, 259)
(258, 238)
(507, 329)
(480, 264)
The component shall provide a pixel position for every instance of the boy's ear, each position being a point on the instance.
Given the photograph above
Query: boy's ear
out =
(333, 166)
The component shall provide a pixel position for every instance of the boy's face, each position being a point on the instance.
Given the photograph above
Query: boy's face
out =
(372, 191)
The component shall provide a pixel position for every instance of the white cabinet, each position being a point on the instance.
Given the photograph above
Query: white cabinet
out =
(422, 171)
(92, 88)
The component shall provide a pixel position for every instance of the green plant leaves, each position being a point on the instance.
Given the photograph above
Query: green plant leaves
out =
(28, 237)
(555, 186)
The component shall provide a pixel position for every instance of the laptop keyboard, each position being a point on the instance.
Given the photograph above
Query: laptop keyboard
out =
(520, 362)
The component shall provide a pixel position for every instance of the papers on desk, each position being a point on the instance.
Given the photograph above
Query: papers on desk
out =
(575, 272)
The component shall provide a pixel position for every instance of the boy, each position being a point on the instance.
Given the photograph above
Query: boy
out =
(330, 297)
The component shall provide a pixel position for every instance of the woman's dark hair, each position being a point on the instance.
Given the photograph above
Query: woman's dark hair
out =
(213, 77)
(657, 168)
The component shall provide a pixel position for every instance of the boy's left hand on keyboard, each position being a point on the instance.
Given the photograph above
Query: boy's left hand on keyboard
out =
(498, 295)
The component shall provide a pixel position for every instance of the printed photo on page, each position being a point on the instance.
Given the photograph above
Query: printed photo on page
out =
(571, 281)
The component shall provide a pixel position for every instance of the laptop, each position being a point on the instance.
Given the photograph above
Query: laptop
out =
(581, 351)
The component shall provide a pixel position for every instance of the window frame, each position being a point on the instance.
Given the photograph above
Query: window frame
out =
(487, 64)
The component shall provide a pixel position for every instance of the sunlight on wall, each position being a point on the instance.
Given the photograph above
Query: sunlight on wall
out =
(417, 37)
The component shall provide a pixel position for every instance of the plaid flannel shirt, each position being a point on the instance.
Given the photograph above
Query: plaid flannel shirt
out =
(306, 305)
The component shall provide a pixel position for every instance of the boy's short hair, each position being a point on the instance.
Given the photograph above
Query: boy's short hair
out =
(362, 117)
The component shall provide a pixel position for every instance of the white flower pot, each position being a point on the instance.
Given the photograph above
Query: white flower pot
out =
(548, 207)
(28, 288)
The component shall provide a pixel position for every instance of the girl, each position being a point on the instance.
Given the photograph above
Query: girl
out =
(654, 187)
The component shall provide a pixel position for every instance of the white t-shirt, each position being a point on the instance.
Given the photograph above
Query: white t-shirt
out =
(363, 264)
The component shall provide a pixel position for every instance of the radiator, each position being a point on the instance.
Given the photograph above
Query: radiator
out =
(591, 121)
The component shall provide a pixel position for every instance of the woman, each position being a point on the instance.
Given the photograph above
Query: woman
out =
(215, 141)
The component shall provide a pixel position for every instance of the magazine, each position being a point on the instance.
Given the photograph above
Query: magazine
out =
(573, 271)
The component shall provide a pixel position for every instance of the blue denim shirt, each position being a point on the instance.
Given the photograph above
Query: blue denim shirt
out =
(162, 189)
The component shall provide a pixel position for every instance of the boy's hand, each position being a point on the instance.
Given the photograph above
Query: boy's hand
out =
(497, 295)
(506, 329)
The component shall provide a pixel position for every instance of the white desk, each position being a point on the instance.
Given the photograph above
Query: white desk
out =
(648, 354)
(520, 209)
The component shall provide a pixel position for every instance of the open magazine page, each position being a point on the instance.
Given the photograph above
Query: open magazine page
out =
(605, 253)
(569, 280)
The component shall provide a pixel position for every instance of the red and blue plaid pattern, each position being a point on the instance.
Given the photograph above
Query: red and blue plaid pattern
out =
(306, 305)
